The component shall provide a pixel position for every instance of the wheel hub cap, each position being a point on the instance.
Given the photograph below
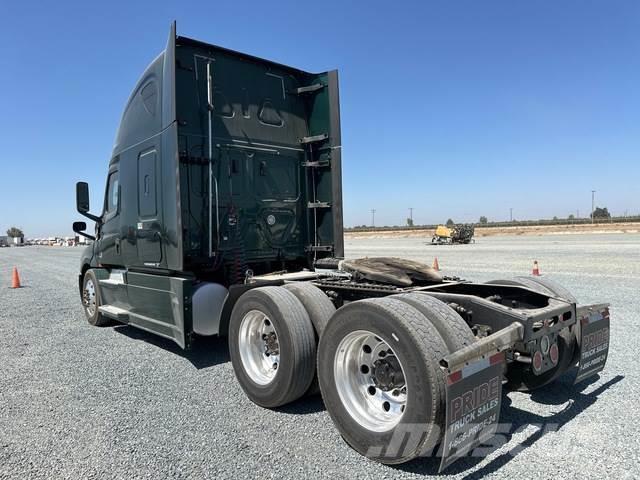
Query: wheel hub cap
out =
(387, 374)
(370, 381)
(259, 347)
(89, 297)
(271, 346)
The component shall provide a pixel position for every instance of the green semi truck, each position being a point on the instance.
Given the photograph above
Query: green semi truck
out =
(222, 215)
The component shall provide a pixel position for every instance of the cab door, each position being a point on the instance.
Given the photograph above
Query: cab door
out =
(109, 238)
(149, 240)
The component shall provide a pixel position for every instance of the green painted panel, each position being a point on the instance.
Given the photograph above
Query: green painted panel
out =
(161, 304)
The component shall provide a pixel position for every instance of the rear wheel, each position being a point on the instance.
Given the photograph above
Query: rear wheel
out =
(520, 376)
(539, 284)
(272, 346)
(91, 300)
(380, 380)
(452, 328)
(320, 309)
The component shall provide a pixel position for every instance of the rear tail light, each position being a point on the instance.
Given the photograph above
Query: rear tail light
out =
(553, 353)
(545, 343)
(537, 361)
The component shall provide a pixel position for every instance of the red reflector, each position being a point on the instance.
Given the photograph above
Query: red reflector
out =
(454, 377)
(496, 358)
(537, 360)
(553, 353)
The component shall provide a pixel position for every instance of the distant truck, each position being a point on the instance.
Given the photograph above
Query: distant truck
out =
(223, 216)
(4, 241)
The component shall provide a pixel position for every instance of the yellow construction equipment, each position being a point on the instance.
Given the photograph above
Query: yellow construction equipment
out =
(456, 234)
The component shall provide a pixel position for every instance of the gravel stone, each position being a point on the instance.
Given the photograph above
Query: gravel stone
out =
(84, 402)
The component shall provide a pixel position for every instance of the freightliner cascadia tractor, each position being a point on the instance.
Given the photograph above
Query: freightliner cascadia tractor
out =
(222, 215)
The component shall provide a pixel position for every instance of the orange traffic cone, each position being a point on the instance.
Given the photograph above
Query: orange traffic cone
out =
(15, 280)
(435, 266)
(536, 270)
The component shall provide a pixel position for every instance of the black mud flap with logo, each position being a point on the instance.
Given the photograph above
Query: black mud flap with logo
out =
(474, 394)
(594, 339)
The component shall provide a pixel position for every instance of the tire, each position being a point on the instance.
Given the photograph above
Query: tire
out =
(561, 292)
(320, 310)
(415, 420)
(275, 313)
(452, 328)
(319, 307)
(520, 376)
(91, 300)
(539, 284)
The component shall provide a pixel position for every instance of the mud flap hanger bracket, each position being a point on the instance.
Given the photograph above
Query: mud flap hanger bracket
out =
(502, 340)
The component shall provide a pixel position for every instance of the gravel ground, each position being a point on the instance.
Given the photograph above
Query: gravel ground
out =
(84, 402)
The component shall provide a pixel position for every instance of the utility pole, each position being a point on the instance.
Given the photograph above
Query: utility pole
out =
(373, 217)
(593, 204)
(511, 214)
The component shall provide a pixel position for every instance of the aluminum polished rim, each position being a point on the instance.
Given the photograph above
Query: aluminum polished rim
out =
(374, 407)
(259, 348)
(89, 297)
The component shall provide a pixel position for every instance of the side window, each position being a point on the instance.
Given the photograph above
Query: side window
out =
(111, 203)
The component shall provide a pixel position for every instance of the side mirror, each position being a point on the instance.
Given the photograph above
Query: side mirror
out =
(80, 227)
(82, 197)
(82, 202)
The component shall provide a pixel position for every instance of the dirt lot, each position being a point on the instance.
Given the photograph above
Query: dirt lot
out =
(84, 402)
(509, 231)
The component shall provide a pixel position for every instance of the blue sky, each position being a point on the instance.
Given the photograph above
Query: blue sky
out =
(456, 108)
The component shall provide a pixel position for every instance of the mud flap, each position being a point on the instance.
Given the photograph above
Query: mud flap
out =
(474, 395)
(594, 339)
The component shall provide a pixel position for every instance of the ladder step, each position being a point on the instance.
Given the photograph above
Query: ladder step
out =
(116, 313)
(316, 164)
(314, 138)
(318, 205)
(310, 88)
(319, 248)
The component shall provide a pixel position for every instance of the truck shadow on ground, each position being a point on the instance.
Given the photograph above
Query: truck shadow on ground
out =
(209, 351)
(205, 351)
(517, 421)
(310, 403)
